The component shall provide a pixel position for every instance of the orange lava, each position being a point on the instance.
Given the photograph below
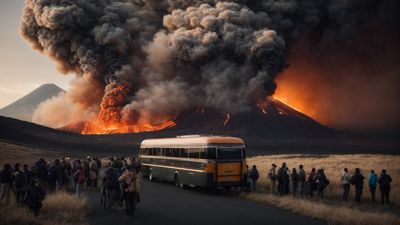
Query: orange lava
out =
(98, 128)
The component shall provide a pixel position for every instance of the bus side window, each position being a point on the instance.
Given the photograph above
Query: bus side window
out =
(203, 153)
(184, 152)
(176, 152)
(168, 152)
(194, 153)
(157, 151)
(211, 153)
(244, 153)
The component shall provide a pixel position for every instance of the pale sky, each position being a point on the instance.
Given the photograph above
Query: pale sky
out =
(22, 69)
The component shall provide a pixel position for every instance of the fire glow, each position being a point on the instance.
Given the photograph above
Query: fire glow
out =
(98, 128)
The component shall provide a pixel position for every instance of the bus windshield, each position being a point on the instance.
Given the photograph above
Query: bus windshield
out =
(229, 153)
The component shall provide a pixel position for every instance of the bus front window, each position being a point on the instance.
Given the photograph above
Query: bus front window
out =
(229, 153)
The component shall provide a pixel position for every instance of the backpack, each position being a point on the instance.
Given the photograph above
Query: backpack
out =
(20, 180)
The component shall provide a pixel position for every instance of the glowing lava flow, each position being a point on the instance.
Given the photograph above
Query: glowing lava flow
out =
(97, 128)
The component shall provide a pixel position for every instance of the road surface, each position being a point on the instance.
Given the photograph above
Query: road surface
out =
(164, 204)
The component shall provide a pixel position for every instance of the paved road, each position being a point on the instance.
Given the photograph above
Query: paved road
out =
(165, 204)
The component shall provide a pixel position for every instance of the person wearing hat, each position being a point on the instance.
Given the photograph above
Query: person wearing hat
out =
(272, 177)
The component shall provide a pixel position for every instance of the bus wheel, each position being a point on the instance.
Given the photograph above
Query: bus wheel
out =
(177, 181)
(151, 175)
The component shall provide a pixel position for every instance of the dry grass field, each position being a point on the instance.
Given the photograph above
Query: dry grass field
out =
(58, 209)
(12, 153)
(332, 208)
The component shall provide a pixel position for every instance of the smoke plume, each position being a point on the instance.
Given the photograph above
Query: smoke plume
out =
(140, 61)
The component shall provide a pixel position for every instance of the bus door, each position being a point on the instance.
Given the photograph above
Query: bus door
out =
(229, 164)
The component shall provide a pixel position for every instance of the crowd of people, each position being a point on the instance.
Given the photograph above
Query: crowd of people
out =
(30, 185)
(285, 181)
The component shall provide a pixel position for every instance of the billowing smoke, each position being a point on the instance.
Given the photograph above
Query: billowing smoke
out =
(140, 61)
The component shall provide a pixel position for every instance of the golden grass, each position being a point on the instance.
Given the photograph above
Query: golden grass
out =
(332, 208)
(58, 209)
(333, 214)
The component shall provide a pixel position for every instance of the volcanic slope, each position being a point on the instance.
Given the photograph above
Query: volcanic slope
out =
(24, 107)
(272, 119)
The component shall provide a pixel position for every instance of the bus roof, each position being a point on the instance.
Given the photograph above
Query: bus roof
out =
(191, 140)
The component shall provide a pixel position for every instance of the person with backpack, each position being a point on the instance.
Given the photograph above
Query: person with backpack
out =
(35, 195)
(254, 175)
(110, 184)
(19, 182)
(272, 177)
(281, 171)
(358, 181)
(302, 180)
(346, 184)
(384, 185)
(372, 181)
(310, 183)
(294, 177)
(5, 182)
(80, 180)
(321, 182)
(128, 181)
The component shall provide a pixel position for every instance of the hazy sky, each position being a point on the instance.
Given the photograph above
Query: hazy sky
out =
(21, 68)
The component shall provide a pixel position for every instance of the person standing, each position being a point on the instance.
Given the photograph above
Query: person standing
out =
(272, 177)
(110, 184)
(302, 179)
(321, 182)
(35, 195)
(372, 181)
(80, 180)
(310, 183)
(128, 178)
(384, 185)
(5, 182)
(254, 175)
(20, 182)
(346, 184)
(358, 181)
(282, 174)
(294, 177)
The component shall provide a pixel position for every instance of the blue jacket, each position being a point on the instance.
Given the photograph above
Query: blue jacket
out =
(372, 179)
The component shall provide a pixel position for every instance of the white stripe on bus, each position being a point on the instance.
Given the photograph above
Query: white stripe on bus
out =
(172, 167)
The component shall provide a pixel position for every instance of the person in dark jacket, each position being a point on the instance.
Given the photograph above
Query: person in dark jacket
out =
(283, 180)
(294, 177)
(372, 181)
(35, 195)
(254, 175)
(110, 184)
(28, 173)
(19, 184)
(5, 182)
(59, 174)
(322, 182)
(384, 185)
(358, 181)
(310, 184)
(302, 180)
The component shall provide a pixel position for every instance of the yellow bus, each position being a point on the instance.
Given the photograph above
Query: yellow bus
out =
(195, 160)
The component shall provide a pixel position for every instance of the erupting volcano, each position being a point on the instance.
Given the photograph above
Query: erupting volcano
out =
(146, 65)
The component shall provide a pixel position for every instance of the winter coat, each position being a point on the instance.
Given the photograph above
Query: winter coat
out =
(357, 180)
(384, 181)
(129, 177)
